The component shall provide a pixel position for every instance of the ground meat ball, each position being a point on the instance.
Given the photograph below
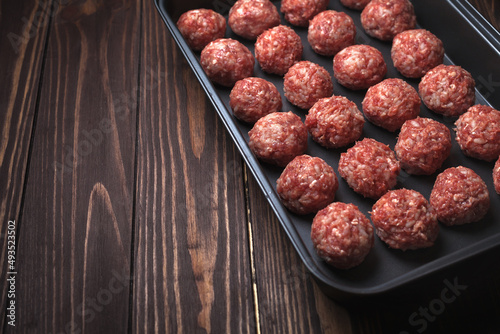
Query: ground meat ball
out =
(423, 145)
(404, 220)
(359, 67)
(250, 18)
(390, 103)
(331, 31)
(384, 19)
(355, 4)
(307, 185)
(226, 61)
(305, 83)
(278, 138)
(478, 132)
(496, 176)
(253, 98)
(459, 196)
(415, 52)
(277, 49)
(342, 235)
(335, 122)
(370, 168)
(200, 27)
(299, 12)
(447, 90)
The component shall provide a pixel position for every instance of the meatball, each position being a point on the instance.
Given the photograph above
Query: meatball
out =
(370, 168)
(415, 52)
(335, 122)
(404, 219)
(278, 138)
(355, 4)
(496, 176)
(250, 18)
(359, 67)
(342, 235)
(226, 61)
(305, 83)
(385, 19)
(200, 27)
(423, 145)
(448, 90)
(390, 103)
(478, 132)
(277, 49)
(299, 12)
(459, 196)
(253, 98)
(331, 31)
(307, 185)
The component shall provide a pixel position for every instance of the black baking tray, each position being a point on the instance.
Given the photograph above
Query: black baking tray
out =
(471, 42)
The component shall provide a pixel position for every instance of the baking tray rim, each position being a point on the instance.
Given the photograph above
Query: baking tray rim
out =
(490, 35)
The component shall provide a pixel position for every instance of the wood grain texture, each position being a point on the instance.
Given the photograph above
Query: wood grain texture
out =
(75, 243)
(289, 299)
(23, 31)
(192, 271)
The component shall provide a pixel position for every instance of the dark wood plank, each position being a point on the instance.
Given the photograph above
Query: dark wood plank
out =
(75, 238)
(192, 272)
(289, 299)
(23, 31)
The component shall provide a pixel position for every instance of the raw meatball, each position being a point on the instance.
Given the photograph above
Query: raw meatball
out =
(335, 122)
(277, 49)
(278, 138)
(415, 52)
(305, 83)
(331, 31)
(390, 103)
(359, 67)
(342, 235)
(200, 27)
(423, 145)
(459, 196)
(448, 90)
(355, 4)
(226, 61)
(404, 220)
(307, 185)
(384, 19)
(478, 132)
(299, 12)
(496, 176)
(253, 98)
(250, 18)
(370, 168)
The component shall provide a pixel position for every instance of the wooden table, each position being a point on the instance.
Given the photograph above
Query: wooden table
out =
(132, 209)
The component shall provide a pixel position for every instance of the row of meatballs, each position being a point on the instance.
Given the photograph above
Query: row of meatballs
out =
(403, 218)
(343, 236)
(328, 32)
